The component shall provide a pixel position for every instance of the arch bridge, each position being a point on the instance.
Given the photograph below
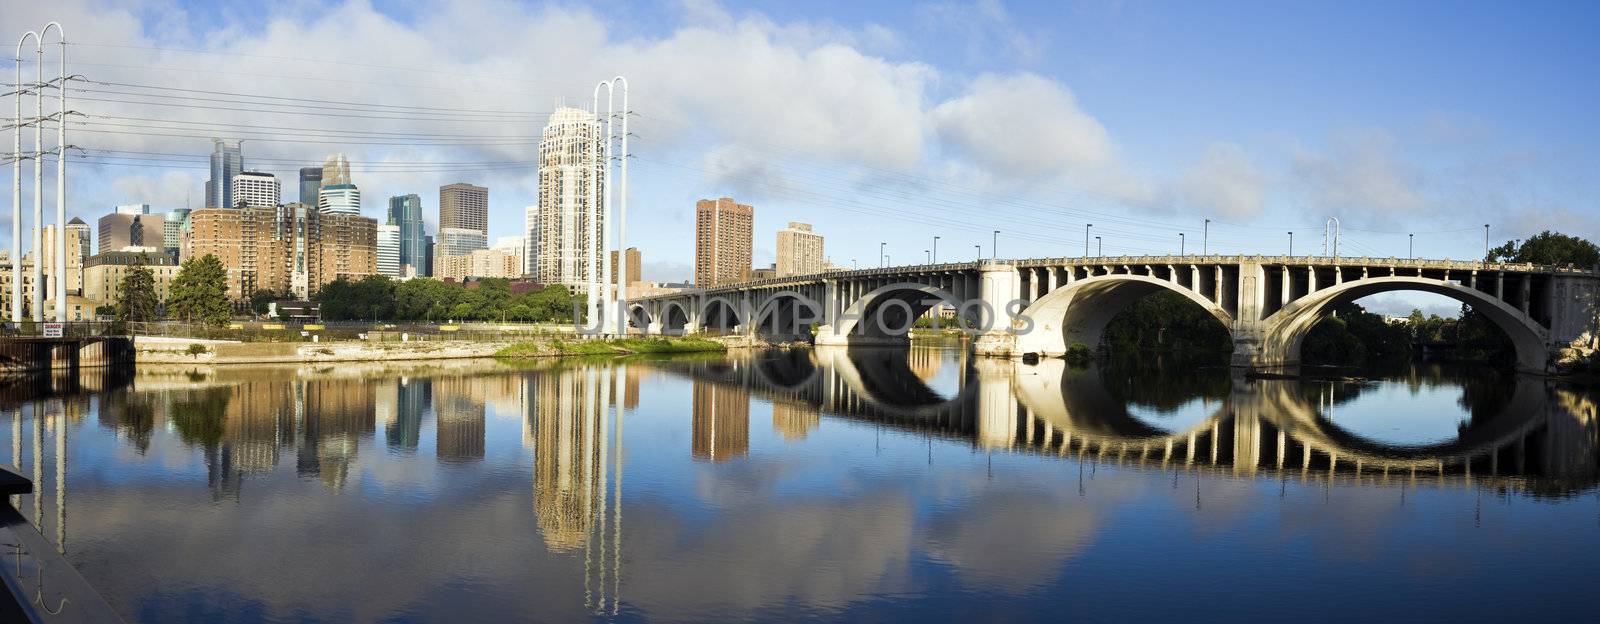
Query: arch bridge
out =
(1044, 306)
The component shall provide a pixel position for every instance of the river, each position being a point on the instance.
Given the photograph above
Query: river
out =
(919, 484)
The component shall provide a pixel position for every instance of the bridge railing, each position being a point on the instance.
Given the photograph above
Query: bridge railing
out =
(1463, 265)
(69, 329)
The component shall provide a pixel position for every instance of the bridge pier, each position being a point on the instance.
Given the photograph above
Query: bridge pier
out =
(999, 285)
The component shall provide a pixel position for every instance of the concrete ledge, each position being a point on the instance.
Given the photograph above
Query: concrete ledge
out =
(41, 586)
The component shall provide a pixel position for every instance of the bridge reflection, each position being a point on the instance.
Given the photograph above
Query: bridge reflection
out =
(1532, 436)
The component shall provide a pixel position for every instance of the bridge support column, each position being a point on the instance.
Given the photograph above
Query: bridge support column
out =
(998, 287)
(1247, 330)
(996, 403)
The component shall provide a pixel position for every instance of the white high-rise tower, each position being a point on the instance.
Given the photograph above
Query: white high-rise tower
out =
(560, 228)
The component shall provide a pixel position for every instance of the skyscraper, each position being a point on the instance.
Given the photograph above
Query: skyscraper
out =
(722, 241)
(633, 266)
(80, 229)
(294, 247)
(310, 183)
(120, 230)
(226, 162)
(336, 170)
(339, 199)
(461, 241)
(172, 231)
(799, 250)
(389, 251)
(530, 240)
(406, 211)
(514, 246)
(255, 188)
(464, 206)
(566, 217)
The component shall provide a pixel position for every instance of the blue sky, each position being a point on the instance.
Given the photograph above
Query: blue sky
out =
(897, 122)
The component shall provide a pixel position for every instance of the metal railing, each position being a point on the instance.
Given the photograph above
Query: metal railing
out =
(67, 330)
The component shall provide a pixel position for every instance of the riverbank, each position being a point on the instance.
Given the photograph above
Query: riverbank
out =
(196, 351)
(628, 346)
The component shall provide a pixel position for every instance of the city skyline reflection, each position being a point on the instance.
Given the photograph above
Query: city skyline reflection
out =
(589, 479)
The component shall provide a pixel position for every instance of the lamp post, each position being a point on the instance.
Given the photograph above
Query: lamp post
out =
(928, 255)
(934, 257)
(1411, 246)
(882, 262)
(852, 264)
(1086, 227)
(1099, 252)
(994, 246)
(1180, 245)
(1291, 243)
(1205, 238)
(980, 251)
(1485, 244)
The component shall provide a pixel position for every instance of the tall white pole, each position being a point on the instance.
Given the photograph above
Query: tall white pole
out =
(59, 281)
(607, 272)
(622, 244)
(591, 226)
(36, 303)
(16, 193)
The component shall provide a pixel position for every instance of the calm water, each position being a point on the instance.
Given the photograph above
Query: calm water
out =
(883, 485)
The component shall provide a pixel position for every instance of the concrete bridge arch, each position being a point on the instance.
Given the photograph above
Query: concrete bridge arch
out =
(885, 314)
(787, 315)
(1079, 312)
(1283, 332)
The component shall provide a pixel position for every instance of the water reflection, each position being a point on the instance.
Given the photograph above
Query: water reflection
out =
(1517, 426)
(443, 492)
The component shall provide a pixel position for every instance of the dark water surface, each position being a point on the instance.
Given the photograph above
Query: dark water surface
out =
(868, 485)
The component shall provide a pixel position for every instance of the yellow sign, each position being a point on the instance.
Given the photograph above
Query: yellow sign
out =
(272, 326)
(235, 325)
(311, 327)
(449, 328)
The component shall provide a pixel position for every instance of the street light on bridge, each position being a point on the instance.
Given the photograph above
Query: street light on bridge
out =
(1485, 244)
(1180, 245)
(882, 257)
(980, 251)
(1099, 252)
(1205, 238)
(1291, 243)
(994, 246)
(1086, 227)
(934, 257)
(1411, 246)
(929, 256)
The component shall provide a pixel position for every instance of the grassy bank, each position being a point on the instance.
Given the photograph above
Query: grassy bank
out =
(627, 346)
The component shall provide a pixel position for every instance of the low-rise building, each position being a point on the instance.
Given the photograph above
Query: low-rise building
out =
(479, 263)
(104, 273)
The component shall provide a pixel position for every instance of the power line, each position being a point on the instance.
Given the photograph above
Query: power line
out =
(299, 107)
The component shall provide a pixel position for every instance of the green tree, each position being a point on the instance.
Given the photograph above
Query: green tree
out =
(138, 302)
(1549, 248)
(200, 292)
(370, 298)
(261, 299)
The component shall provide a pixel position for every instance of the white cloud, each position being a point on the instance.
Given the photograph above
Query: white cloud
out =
(1360, 173)
(1024, 125)
(1224, 182)
(162, 190)
(982, 27)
